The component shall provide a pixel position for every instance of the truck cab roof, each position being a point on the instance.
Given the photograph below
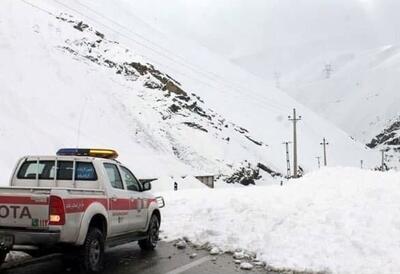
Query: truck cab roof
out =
(66, 158)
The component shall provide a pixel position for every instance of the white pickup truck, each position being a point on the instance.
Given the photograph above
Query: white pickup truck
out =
(80, 201)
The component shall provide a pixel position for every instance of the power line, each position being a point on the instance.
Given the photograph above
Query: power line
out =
(160, 53)
(142, 36)
(185, 62)
(78, 133)
(227, 85)
(136, 42)
(37, 7)
(148, 58)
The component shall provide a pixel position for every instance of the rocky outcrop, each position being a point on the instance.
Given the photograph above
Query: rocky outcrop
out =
(389, 137)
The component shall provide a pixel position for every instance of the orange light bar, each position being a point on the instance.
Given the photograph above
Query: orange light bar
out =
(103, 153)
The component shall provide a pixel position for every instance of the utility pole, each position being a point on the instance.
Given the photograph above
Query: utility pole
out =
(319, 161)
(362, 164)
(295, 119)
(324, 144)
(287, 158)
(328, 71)
(383, 159)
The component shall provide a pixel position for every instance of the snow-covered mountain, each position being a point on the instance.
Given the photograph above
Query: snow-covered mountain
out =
(90, 74)
(363, 86)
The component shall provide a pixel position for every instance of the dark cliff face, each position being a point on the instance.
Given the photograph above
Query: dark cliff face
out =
(389, 137)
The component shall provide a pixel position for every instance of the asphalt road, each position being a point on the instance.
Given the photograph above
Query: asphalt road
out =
(166, 259)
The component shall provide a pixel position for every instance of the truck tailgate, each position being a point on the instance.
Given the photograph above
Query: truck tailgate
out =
(24, 207)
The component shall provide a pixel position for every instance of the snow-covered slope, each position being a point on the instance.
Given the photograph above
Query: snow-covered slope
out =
(89, 74)
(363, 86)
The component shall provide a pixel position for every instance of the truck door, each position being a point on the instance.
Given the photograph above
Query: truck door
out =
(138, 211)
(119, 200)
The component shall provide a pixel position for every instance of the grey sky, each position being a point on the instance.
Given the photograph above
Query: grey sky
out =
(283, 30)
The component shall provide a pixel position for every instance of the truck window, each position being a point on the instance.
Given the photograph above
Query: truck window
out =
(64, 170)
(85, 172)
(45, 169)
(114, 176)
(130, 180)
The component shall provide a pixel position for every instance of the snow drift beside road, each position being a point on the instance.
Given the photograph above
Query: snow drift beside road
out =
(342, 220)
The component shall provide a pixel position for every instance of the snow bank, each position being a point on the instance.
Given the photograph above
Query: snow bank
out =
(342, 220)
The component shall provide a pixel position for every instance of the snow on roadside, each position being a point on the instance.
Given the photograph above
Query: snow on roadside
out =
(343, 220)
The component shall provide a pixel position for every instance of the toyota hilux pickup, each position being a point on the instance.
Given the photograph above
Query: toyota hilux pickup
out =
(79, 201)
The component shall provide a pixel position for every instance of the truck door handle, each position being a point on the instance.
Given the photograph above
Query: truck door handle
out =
(114, 198)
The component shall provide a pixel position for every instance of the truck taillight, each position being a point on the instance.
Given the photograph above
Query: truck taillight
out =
(56, 211)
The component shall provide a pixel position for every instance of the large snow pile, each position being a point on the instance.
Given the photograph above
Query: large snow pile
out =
(342, 220)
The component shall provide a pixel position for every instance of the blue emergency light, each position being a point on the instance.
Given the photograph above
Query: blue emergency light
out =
(90, 152)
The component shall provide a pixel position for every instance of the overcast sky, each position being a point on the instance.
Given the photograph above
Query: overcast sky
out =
(269, 29)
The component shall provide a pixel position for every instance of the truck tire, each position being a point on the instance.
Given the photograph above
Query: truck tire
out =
(3, 256)
(37, 253)
(92, 253)
(153, 231)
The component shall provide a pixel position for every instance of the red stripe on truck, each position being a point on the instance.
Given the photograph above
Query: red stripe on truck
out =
(129, 204)
(120, 204)
(76, 205)
(24, 200)
(81, 204)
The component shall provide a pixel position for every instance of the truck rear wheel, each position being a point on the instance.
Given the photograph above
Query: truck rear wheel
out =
(93, 251)
(153, 231)
(37, 253)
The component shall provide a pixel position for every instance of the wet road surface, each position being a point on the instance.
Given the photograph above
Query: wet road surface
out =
(166, 259)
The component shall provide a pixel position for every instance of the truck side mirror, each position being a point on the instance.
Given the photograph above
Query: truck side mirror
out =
(146, 186)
